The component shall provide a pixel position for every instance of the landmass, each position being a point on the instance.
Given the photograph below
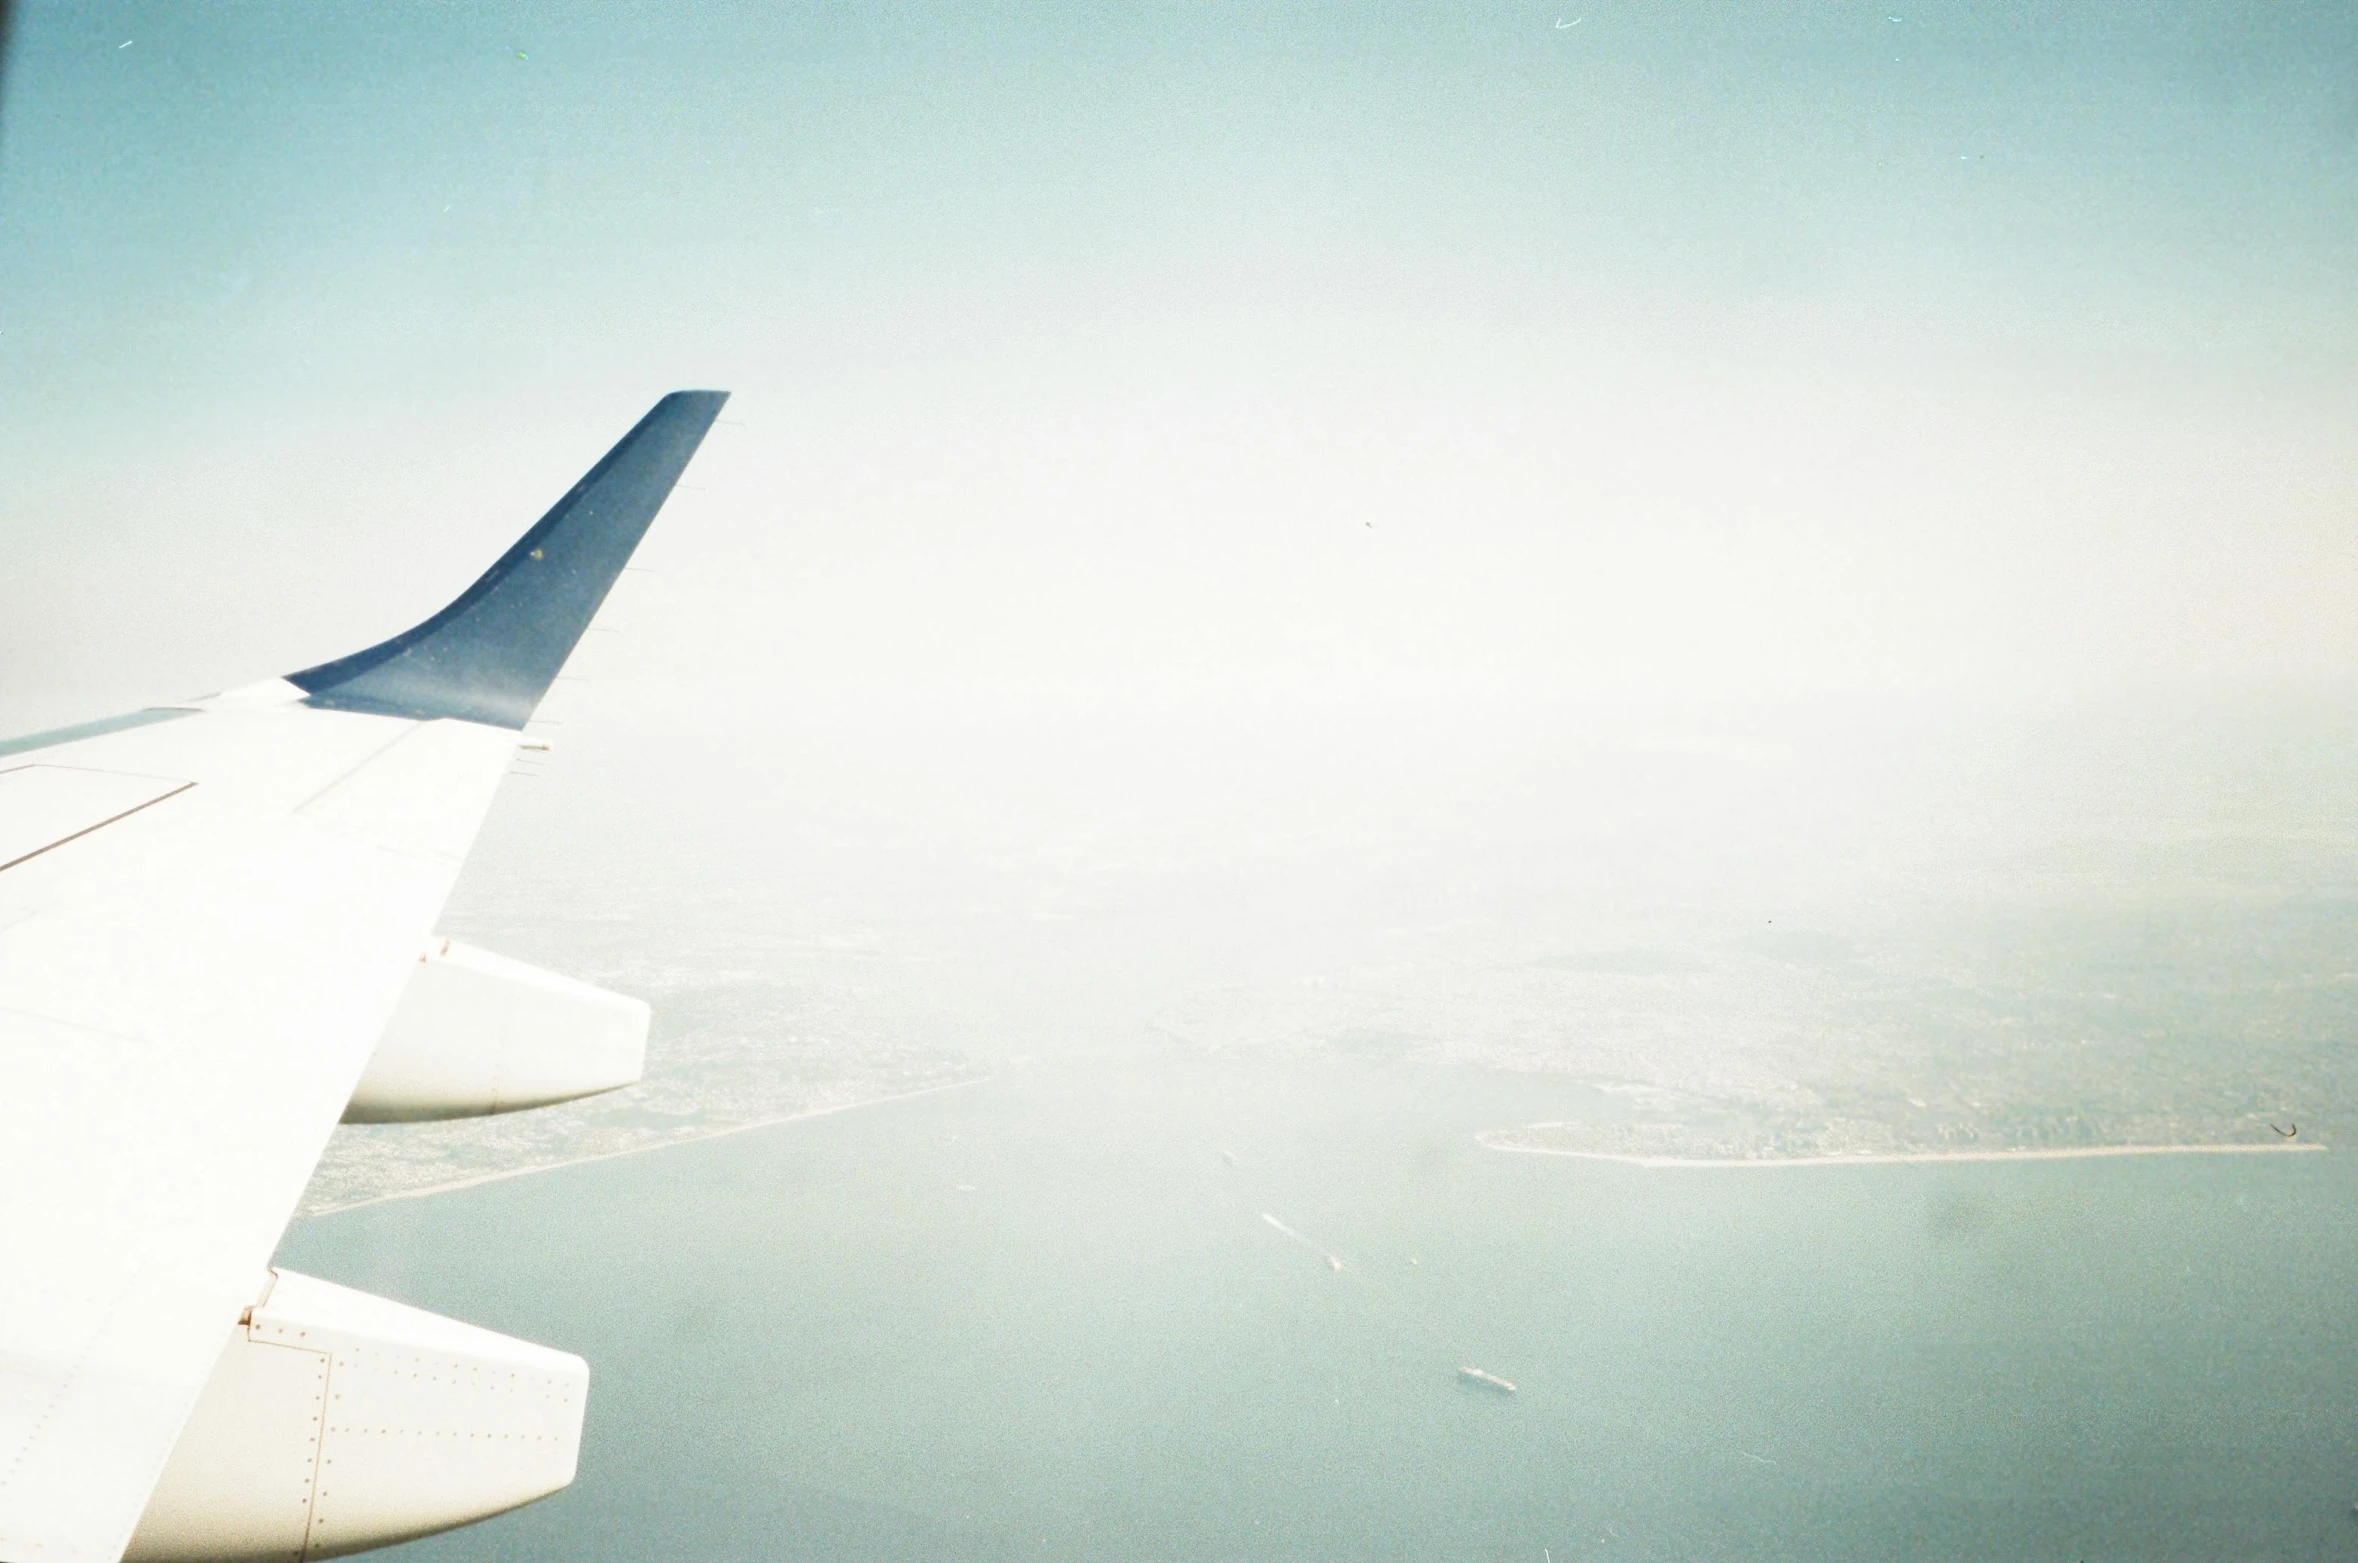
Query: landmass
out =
(1567, 1140)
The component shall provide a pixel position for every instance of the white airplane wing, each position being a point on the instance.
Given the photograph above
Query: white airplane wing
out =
(208, 913)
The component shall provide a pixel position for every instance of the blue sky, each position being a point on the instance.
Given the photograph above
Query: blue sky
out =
(1199, 353)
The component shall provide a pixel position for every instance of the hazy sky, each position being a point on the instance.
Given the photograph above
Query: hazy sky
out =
(1197, 352)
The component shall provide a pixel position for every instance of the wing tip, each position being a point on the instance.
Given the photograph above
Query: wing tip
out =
(491, 654)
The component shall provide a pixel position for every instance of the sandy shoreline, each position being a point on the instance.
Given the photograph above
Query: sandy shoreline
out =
(720, 1133)
(1896, 1158)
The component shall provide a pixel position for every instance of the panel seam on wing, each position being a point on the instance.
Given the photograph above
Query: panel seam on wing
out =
(74, 1025)
(102, 824)
(362, 764)
(67, 1383)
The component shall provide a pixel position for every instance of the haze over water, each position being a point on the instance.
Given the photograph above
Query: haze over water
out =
(1291, 595)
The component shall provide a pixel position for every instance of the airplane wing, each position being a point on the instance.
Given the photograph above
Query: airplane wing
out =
(208, 914)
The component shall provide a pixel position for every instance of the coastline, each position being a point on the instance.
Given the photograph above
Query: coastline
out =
(1900, 1158)
(720, 1133)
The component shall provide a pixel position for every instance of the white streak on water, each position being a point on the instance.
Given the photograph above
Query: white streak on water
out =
(1333, 1262)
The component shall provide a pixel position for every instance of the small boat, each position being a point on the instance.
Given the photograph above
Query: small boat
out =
(1486, 1380)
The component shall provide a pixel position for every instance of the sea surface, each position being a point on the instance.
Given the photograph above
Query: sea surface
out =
(1044, 1316)
(1182, 1243)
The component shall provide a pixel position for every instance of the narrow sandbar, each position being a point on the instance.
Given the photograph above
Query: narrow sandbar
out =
(692, 1137)
(1895, 1158)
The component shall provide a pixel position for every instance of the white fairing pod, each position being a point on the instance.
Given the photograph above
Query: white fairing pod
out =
(336, 1421)
(478, 1033)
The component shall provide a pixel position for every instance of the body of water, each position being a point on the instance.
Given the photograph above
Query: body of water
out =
(1044, 1316)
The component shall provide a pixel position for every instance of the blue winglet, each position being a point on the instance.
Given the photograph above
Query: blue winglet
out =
(492, 654)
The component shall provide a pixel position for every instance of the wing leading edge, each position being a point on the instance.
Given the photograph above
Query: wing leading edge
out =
(190, 989)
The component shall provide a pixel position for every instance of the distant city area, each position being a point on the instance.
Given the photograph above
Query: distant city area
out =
(2014, 1022)
(1742, 953)
(771, 1031)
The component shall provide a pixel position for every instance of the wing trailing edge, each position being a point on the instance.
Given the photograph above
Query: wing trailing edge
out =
(492, 654)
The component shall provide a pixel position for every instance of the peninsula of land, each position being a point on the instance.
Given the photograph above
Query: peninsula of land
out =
(1523, 1142)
